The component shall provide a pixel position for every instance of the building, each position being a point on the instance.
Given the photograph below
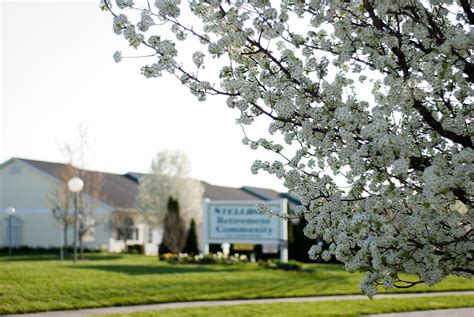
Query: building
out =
(27, 185)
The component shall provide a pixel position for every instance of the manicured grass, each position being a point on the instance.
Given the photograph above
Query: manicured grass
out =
(345, 308)
(29, 284)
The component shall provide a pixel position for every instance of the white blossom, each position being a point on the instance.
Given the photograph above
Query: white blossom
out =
(169, 177)
(198, 58)
(374, 107)
(117, 56)
(122, 4)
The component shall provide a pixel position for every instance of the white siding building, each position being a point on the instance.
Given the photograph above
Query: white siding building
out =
(25, 185)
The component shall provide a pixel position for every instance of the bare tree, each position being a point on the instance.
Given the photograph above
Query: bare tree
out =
(60, 198)
(88, 202)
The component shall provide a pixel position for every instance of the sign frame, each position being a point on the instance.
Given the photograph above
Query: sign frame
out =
(282, 232)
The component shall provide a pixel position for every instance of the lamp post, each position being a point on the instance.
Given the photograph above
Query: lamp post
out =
(57, 214)
(10, 211)
(75, 185)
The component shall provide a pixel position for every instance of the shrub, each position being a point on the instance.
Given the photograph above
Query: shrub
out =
(26, 250)
(215, 258)
(136, 248)
(168, 256)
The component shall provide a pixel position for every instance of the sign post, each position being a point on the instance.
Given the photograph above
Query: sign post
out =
(284, 229)
(239, 222)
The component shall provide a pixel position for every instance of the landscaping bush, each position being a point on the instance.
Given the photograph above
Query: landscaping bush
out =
(214, 258)
(136, 248)
(168, 256)
(26, 250)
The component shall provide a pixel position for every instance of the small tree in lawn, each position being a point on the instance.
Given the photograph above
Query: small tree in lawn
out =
(61, 199)
(174, 235)
(369, 112)
(191, 239)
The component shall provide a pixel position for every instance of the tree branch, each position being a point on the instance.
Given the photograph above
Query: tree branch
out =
(464, 140)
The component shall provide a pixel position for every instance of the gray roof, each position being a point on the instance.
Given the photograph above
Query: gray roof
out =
(119, 191)
(214, 192)
(116, 191)
(270, 194)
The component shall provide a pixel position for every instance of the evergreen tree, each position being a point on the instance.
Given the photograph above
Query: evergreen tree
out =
(174, 230)
(192, 241)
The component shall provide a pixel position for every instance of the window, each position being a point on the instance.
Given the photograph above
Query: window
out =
(125, 228)
(90, 229)
(150, 235)
(132, 234)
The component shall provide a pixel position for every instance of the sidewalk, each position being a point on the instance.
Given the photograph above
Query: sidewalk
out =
(456, 312)
(140, 308)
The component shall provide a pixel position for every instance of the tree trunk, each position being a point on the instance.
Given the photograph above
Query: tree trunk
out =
(66, 225)
(125, 243)
(81, 240)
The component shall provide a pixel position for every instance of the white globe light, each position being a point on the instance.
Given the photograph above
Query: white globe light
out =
(75, 184)
(10, 210)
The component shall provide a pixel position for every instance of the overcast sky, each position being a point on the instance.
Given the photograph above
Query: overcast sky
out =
(57, 72)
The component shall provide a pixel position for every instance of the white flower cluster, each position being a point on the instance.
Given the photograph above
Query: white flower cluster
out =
(374, 107)
(117, 56)
(105, 5)
(198, 58)
(120, 22)
(145, 22)
(134, 38)
(122, 4)
(168, 8)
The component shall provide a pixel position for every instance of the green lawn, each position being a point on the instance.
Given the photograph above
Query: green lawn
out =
(346, 308)
(41, 283)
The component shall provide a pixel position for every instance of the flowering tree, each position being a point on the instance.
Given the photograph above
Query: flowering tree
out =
(169, 179)
(370, 103)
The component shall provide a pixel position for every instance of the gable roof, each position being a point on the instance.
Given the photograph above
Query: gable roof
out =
(215, 192)
(119, 191)
(116, 191)
(270, 194)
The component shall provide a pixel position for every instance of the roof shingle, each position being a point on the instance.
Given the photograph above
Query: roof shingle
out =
(116, 190)
(120, 191)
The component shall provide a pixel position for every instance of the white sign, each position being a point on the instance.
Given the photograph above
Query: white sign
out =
(239, 222)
